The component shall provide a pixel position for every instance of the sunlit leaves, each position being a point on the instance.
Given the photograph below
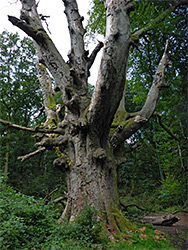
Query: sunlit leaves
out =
(97, 20)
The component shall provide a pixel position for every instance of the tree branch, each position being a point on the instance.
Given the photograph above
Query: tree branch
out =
(159, 119)
(137, 120)
(25, 157)
(60, 199)
(47, 94)
(37, 129)
(94, 53)
(48, 196)
(139, 33)
(111, 77)
(77, 55)
(47, 51)
(37, 35)
(155, 90)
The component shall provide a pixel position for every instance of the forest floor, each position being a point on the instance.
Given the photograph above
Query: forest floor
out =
(178, 233)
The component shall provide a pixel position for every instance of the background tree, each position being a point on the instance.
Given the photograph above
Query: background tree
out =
(20, 102)
(170, 152)
(89, 150)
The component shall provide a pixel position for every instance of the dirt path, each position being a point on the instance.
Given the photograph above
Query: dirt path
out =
(178, 233)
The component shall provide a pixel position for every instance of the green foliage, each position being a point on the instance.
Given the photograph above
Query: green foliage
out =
(97, 20)
(85, 231)
(20, 101)
(25, 222)
(91, 89)
(176, 190)
(18, 81)
(29, 224)
(146, 238)
(140, 172)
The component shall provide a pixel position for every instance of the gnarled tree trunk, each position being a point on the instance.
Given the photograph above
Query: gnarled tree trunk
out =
(87, 150)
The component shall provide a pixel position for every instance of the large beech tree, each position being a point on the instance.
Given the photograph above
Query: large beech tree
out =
(89, 138)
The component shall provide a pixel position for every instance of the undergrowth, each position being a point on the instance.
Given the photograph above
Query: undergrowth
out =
(28, 224)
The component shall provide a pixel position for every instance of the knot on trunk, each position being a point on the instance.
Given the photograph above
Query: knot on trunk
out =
(99, 154)
(140, 118)
(61, 163)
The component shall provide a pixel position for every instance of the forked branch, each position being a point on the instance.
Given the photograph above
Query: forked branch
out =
(136, 121)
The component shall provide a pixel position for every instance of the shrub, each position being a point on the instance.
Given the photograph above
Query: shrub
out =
(27, 223)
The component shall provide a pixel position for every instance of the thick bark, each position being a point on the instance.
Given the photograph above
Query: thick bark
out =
(84, 153)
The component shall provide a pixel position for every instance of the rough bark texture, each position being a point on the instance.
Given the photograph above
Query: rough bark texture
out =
(86, 151)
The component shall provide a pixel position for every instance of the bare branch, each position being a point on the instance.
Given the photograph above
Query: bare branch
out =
(47, 93)
(159, 119)
(94, 53)
(137, 120)
(59, 199)
(47, 51)
(155, 90)
(111, 77)
(40, 112)
(49, 142)
(77, 55)
(37, 35)
(48, 195)
(25, 157)
(54, 130)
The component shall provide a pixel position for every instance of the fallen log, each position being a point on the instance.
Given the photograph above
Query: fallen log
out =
(162, 220)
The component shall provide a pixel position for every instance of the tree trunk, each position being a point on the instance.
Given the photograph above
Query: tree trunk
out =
(7, 149)
(7, 152)
(91, 176)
